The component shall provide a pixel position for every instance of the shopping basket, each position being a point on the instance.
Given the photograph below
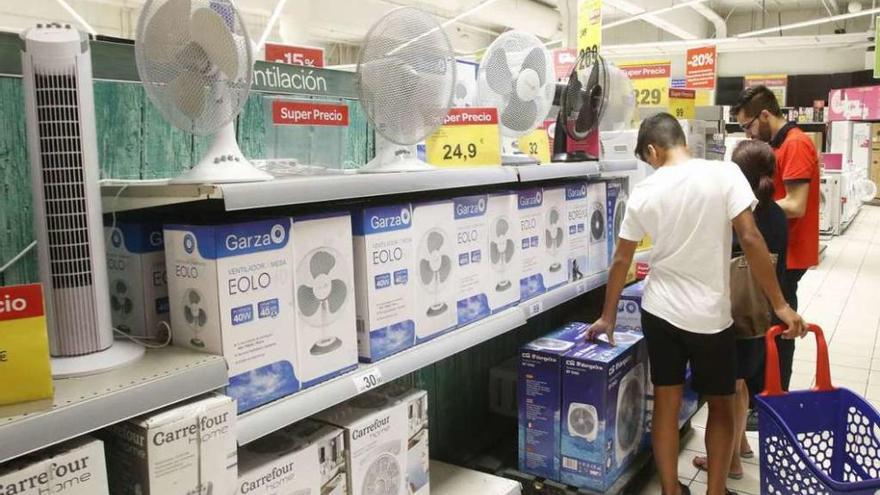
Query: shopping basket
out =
(820, 441)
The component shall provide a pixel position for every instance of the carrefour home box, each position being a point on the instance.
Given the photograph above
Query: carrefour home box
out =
(75, 467)
(231, 291)
(603, 410)
(539, 392)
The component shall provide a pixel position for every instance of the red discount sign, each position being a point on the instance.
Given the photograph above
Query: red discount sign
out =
(295, 55)
(700, 67)
(285, 112)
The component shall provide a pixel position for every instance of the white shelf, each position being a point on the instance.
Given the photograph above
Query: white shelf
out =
(447, 479)
(560, 295)
(82, 405)
(533, 173)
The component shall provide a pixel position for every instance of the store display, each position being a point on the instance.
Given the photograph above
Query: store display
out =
(195, 60)
(465, 94)
(185, 448)
(842, 140)
(384, 267)
(232, 294)
(829, 203)
(138, 280)
(598, 252)
(25, 373)
(504, 250)
(730, 143)
(517, 77)
(434, 231)
(418, 473)
(472, 258)
(831, 162)
(75, 467)
(695, 135)
(531, 213)
(860, 160)
(615, 198)
(849, 201)
(555, 239)
(619, 150)
(307, 457)
(577, 209)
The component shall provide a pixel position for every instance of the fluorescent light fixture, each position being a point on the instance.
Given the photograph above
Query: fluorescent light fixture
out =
(78, 18)
(813, 22)
(445, 24)
(643, 15)
(276, 12)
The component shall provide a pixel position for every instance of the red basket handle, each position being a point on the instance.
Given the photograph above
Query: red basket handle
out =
(772, 381)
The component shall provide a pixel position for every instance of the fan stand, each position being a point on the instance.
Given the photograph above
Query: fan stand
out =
(223, 163)
(439, 307)
(392, 157)
(325, 345)
(121, 353)
(560, 146)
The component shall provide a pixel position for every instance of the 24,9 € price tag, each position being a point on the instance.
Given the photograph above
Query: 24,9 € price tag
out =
(469, 137)
(536, 144)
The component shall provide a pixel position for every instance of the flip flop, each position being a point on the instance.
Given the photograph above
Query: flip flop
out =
(702, 467)
(747, 455)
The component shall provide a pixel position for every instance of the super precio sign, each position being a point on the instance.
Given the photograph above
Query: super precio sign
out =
(286, 112)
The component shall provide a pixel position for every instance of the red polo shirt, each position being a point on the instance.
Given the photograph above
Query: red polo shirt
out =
(797, 160)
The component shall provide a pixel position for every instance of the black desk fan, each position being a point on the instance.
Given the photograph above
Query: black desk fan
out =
(582, 102)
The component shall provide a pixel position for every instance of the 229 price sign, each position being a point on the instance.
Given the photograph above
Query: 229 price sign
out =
(650, 82)
(469, 137)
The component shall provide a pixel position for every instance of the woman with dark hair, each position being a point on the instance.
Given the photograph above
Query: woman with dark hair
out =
(758, 163)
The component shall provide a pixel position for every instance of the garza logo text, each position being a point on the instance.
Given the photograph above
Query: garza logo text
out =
(275, 236)
(529, 200)
(10, 305)
(470, 208)
(388, 222)
(576, 192)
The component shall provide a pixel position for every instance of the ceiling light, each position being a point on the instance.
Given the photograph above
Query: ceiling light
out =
(813, 22)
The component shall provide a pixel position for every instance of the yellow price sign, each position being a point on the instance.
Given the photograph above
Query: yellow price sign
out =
(469, 137)
(650, 82)
(536, 144)
(589, 25)
(682, 103)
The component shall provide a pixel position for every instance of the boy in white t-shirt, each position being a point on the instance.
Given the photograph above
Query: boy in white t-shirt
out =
(687, 207)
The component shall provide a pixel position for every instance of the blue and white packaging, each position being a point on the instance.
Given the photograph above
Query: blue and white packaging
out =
(504, 251)
(323, 287)
(629, 308)
(598, 251)
(530, 210)
(603, 409)
(540, 399)
(231, 293)
(435, 284)
(555, 239)
(615, 199)
(384, 269)
(472, 258)
(578, 219)
(138, 281)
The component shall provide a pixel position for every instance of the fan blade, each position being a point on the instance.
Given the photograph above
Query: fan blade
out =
(519, 115)
(128, 306)
(501, 227)
(114, 303)
(548, 238)
(554, 216)
(189, 92)
(537, 61)
(203, 317)
(434, 241)
(321, 263)
(425, 272)
(308, 303)
(558, 238)
(338, 291)
(210, 31)
(445, 268)
(167, 31)
(494, 252)
(509, 251)
(188, 314)
(498, 74)
(194, 297)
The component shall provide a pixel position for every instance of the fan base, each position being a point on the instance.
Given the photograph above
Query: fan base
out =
(502, 286)
(120, 354)
(377, 166)
(197, 342)
(223, 163)
(555, 267)
(325, 346)
(437, 309)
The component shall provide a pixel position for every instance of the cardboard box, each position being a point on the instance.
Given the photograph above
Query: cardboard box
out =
(598, 250)
(615, 199)
(434, 233)
(531, 216)
(25, 372)
(418, 474)
(472, 258)
(555, 238)
(75, 467)
(629, 308)
(504, 250)
(186, 448)
(577, 212)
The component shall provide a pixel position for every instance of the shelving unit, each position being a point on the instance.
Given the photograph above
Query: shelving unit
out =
(533, 173)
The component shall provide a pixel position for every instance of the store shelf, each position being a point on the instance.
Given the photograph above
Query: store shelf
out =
(620, 165)
(81, 405)
(560, 295)
(533, 173)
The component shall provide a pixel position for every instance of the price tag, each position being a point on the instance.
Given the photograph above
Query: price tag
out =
(682, 103)
(536, 144)
(581, 287)
(535, 308)
(367, 380)
(650, 82)
(294, 55)
(700, 67)
(469, 137)
(589, 26)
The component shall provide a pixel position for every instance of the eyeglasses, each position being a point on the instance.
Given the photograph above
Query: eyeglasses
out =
(749, 125)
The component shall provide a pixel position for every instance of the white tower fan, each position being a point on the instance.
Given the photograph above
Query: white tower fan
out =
(63, 150)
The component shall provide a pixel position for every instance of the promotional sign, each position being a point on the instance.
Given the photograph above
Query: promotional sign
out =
(536, 144)
(682, 103)
(25, 373)
(861, 103)
(700, 67)
(563, 61)
(775, 83)
(650, 80)
(294, 55)
(286, 112)
(589, 25)
(468, 137)
(295, 79)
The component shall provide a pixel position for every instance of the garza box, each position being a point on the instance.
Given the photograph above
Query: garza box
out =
(555, 238)
(540, 398)
(376, 440)
(603, 410)
(25, 373)
(307, 457)
(187, 448)
(598, 251)
(578, 223)
(138, 280)
(231, 293)
(436, 253)
(530, 209)
(615, 199)
(384, 266)
(472, 258)
(504, 251)
(75, 467)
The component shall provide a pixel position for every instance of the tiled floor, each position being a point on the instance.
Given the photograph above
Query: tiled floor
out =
(841, 296)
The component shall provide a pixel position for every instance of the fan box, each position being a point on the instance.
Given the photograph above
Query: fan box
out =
(504, 250)
(75, 467)
(418, 474)
(384, 265)
(472, 258)
(555, 238)
(376, 440)
(597, 255)
(437, 263)
(185, 448)
(615, 200)
(307, 457)
(530, 213)
(138, 280)
(231, 294)
(629, 308)
(578, 223)
(323, 288)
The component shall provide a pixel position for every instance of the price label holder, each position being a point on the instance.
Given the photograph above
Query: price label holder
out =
(367, 380)
(536, 144)
(580, 287)
(469, 137)
(682, 103)
(535, 308)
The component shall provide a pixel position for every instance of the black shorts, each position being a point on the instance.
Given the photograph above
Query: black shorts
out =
(712, 356)
(750, 355)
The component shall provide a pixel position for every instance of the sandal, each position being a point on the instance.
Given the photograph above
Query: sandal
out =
(700, 462)
(748, 454)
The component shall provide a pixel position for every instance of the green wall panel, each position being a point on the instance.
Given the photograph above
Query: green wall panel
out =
(167, 150)
(119, 122)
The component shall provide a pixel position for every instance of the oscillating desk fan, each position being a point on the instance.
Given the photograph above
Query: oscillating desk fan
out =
(406, 78)
(518, 78)
(194, 58)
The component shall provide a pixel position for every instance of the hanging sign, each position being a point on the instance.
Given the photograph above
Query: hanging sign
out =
(294, 55)
(700, 67)
(682, 103)
(536, 144)
(468, 137)
(775, 83)
(650, 80)
(286, 112)
(589, 25)
(563, 61)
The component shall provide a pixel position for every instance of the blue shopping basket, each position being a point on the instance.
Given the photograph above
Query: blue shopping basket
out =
(820, 441)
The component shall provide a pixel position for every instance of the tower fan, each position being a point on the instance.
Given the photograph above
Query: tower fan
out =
(517, 76)
(63, 150)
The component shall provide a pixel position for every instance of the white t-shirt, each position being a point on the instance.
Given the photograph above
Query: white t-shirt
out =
(687, 210)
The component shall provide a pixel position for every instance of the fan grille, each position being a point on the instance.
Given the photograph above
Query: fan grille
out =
(406, 75)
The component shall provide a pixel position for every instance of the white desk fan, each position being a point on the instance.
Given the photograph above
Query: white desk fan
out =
(406, 78)
(194, 58)
(517, 77)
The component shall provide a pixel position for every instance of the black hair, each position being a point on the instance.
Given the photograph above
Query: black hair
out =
(660, 130)
(754, 100)
(758, 163)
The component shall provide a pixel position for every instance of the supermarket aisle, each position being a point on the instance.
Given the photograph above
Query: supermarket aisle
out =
(841, 297)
